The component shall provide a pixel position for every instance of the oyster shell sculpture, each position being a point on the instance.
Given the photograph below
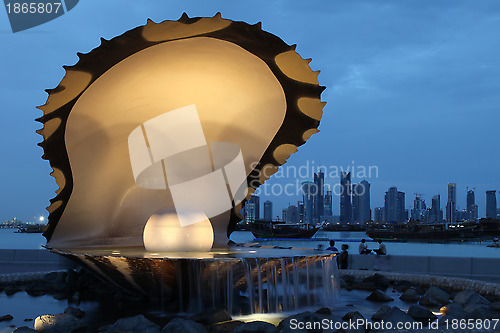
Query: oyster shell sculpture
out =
(158, 136)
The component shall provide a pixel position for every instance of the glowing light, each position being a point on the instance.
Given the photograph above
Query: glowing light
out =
(163, 232)
(42, 218)
(115, 252)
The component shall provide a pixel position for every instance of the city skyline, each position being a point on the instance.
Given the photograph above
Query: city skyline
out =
(409, 207)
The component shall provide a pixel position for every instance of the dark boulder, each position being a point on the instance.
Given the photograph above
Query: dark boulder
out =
(438, 295)
(410, 296)
(308, 318)
(377, 316)
(419, 313)
(453, 309)
(210, 317)
(396, 315)
(75, 312)
(379, 296)
(428, 302)
(256, 327)
(225, 327)
(178, 325)
(468, 297)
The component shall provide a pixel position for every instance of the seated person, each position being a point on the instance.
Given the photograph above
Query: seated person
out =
(382, 249)
(363, 248)
(332, 246)
(342, 259)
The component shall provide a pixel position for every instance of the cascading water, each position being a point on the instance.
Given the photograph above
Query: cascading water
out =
(243, 281)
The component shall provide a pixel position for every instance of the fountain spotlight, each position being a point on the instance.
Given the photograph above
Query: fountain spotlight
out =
(158, 137)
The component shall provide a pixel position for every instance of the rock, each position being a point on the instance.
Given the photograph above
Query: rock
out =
(353, 316)
(428, 302)
(469, 297)
(307, 318)
(136, 324)
(437, 294)
(24, 329)
(210, 317)
(59, 323)
(11, 290)
(178, 325)
(419, 313)
(256, 327)
(480, 311)
(59, 295)
(7, 317)
(402, 286)
(379, 296)
(410, 295)
(225, 327)
(395, 316)
(324, 311)
(495, 306)
(377, 316)
(37, 289)
(75, 312)
(453, 309)
(379, 280)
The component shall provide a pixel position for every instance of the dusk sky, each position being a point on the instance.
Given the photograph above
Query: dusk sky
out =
(413, 88)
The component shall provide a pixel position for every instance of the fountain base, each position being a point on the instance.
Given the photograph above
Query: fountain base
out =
(242, 280)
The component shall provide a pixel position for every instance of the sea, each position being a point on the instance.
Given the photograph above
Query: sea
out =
(9, 239)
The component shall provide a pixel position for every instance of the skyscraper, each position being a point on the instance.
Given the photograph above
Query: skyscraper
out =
(250, 211)
(268, 210)
(451, 205)
(319, 195)
(361, 211)
(256, 201)
(379, 215)
(419, 209)
(491, 205)
(301, 210)
(394, 205)
(328, 203)
(471, 213)
(365, 212)
(436, 214)
(292, 214)
(355, 203)
(308, 199)
(345, 198)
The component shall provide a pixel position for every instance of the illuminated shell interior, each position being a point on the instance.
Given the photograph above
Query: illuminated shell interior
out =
(249, 87)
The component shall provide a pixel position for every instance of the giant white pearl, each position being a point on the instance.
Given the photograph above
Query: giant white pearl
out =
(163, 232)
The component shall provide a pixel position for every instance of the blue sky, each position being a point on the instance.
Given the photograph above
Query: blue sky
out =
(412, 88)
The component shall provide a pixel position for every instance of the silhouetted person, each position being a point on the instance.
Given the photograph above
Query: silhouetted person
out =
(342, 258)
(363, 248)
(382, 249)
(332, 247)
